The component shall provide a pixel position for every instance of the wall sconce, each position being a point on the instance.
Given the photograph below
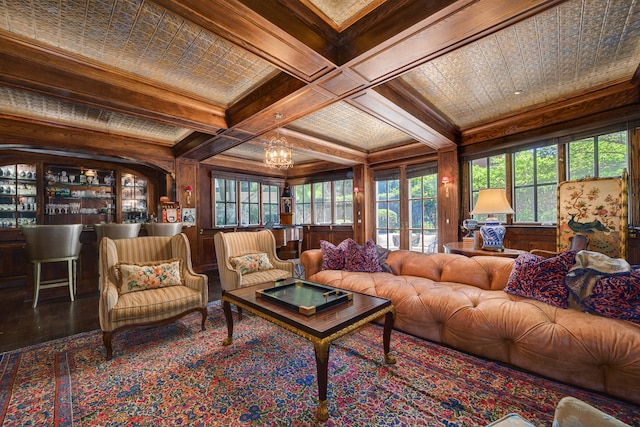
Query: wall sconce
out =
(356, 191)
(188, 189)
(445, 182)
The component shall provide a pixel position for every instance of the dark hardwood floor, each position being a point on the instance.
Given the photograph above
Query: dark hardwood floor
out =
(21, 325)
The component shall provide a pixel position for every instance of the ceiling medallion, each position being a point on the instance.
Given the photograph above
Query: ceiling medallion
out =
(277, 153)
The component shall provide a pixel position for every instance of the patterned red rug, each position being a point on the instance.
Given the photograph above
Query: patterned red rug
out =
(176, 375)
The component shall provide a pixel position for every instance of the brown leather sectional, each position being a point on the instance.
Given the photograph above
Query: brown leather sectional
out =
(460, 302)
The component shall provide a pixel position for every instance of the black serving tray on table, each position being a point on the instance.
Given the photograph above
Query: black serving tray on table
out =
(305, 297)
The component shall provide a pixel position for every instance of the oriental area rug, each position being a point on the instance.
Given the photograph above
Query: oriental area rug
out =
(176, 375)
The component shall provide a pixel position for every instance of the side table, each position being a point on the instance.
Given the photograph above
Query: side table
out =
(462, 248)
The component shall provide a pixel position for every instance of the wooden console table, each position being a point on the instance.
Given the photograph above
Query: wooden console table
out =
(462, 248)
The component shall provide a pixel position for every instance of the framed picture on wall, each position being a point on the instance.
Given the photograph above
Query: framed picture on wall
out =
(189, 217)
(596, 207)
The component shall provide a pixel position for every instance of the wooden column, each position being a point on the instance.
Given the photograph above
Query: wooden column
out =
(362, 180)
(187, 175)
(448, 197)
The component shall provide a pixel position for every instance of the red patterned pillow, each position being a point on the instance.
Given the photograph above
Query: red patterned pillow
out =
(362, 258)
(333, 257)
(616, 296)
(541, 278)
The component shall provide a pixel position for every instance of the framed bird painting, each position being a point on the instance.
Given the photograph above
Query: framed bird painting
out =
(598, 208)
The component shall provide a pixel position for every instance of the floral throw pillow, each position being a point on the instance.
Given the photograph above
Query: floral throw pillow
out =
(541, 278)
(251, 263)
(616, 296)
(333, 257)
(150, 275)
(362, 258)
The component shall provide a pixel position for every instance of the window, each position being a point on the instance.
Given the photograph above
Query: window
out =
(302, 195)
(249, 203)
(225, 202)
(534, 171)
(332, 202)
(535, 176)
(322, 205)
(601, 156)
(343, 201)
(270, 197)
(388, 213)
(488, 172)
(406, 207)
(242, 202)
(423, 213)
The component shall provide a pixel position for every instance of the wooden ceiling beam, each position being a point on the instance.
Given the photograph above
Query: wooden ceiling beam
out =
(413, 104)
(378, 59)
(322, 149)
(312, 168)
(318, 149)
(31, 68)
(385, 110)
(22, 133)
(272, 92)
(401, 154)
(293, 106)
(606, 98)
(231, 163)
(216, 145)
(302, 54)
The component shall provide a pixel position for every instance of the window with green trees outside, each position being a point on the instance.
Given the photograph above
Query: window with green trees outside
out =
(534, 172)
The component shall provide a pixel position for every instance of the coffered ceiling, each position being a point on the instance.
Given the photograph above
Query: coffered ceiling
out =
(358, 81)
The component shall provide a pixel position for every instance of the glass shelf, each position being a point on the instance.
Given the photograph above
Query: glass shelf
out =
(134, 198)
(18, 195)
(77, 195)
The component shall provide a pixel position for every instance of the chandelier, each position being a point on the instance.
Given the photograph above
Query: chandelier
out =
(277, 153)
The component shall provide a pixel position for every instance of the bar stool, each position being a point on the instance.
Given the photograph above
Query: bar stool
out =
(116, 231)
(52, 243)
(163, 228)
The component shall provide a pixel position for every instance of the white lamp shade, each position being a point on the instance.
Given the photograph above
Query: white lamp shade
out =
(492, 201)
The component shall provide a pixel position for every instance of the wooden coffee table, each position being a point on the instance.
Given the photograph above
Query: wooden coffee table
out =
(321, 328)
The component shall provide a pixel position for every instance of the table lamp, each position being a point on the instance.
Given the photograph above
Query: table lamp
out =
(492, 201)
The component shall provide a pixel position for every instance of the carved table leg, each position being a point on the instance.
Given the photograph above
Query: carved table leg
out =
(386, 337)
(322, 365)
(226, 306)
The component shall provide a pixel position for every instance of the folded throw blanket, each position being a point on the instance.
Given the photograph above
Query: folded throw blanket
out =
(588, 269)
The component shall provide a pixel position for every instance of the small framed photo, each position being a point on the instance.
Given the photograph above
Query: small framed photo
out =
(189, 217)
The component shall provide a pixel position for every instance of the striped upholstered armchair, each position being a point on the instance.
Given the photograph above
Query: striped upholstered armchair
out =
(241, 259)
(147, 281)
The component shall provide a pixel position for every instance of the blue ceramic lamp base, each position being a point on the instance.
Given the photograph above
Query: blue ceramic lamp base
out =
(492, 233)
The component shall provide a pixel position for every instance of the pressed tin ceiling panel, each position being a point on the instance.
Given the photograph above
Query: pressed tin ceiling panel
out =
(141, 38)
(39, 107)
(346, 125)
(341, 13)
(567, 49)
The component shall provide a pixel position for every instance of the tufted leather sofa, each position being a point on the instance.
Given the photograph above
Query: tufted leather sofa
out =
(460, 302)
